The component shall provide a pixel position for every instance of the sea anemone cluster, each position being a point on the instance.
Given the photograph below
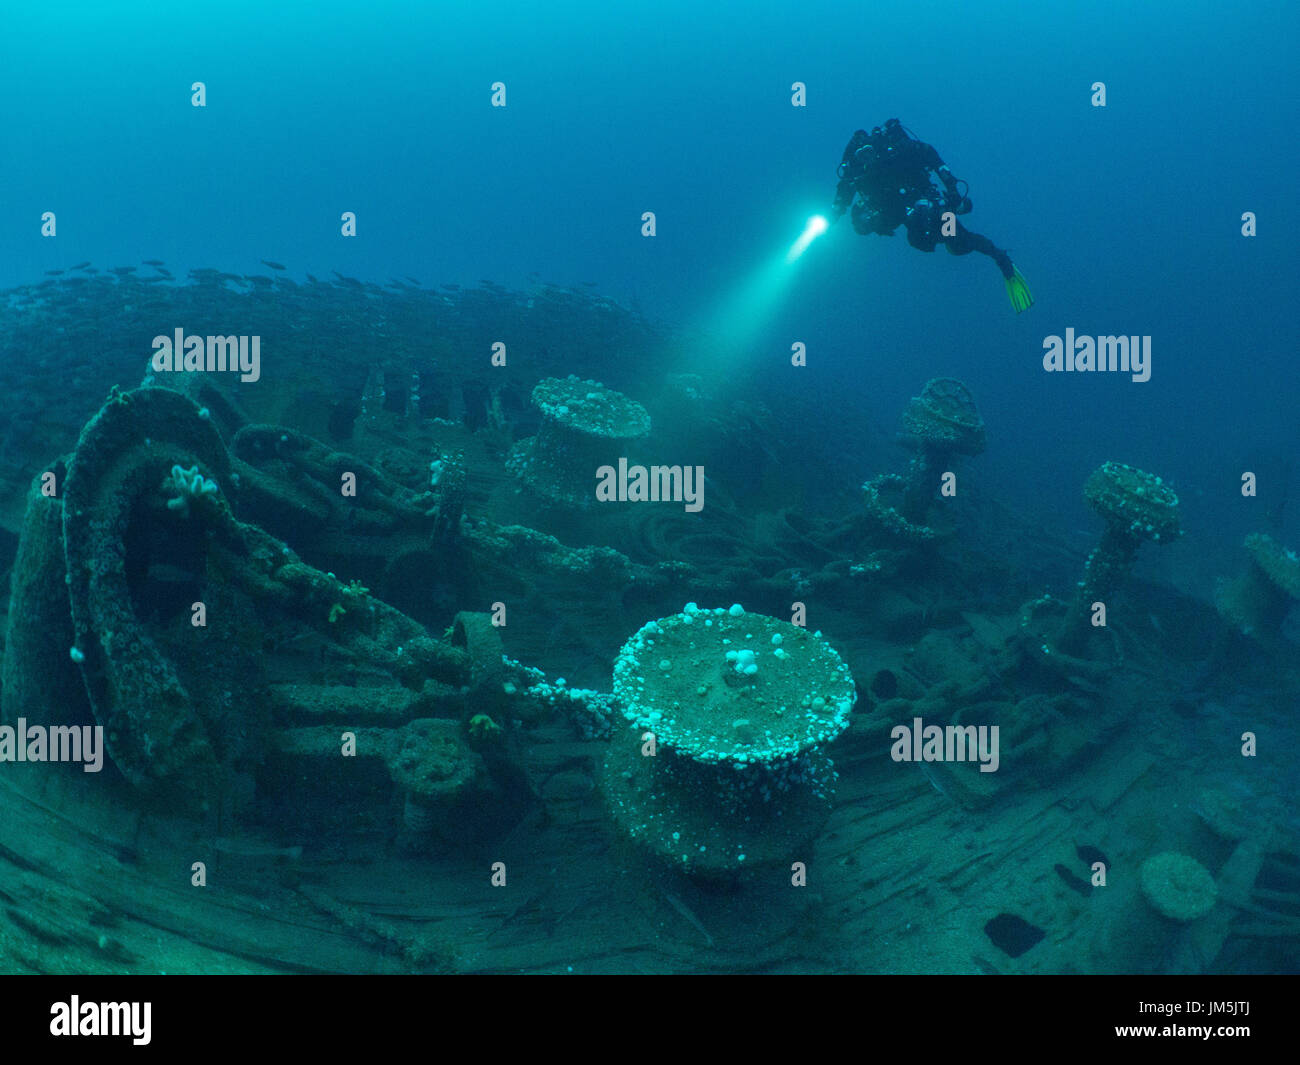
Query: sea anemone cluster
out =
(1257, 601)
(584, 426)
(186, 487)
(1135, 504)
(723, 768)
(591, 712)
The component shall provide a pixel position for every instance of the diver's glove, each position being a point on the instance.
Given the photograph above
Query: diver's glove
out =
(835, 213)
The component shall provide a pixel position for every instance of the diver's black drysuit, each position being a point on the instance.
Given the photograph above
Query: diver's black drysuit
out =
(885, 180)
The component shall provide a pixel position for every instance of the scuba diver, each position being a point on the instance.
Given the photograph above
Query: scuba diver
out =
(885, 180)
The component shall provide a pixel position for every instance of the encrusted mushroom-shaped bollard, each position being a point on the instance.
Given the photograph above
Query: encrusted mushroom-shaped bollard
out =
(1178, 887)
(944, 420)
(584, 426)
(940, 423)
(1257, 602)
(739, 706)
(1152, 929)
(1136, 507)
